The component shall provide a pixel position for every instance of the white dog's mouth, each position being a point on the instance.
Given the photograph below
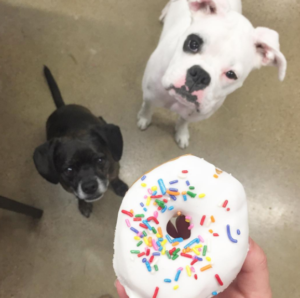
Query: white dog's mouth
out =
(185, 97)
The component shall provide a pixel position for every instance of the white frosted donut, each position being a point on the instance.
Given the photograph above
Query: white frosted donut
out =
(216, 209)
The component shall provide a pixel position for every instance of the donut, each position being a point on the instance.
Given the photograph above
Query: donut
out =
(150, 263)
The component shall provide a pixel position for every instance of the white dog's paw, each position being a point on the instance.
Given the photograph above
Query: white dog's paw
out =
(182, 139)
(143, 123)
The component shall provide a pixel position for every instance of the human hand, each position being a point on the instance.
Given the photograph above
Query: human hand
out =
(251, 282)
(253, 279)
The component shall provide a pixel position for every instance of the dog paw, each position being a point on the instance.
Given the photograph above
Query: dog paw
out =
(120, 188)
(85, 208)
(143, 123)
(182, 140)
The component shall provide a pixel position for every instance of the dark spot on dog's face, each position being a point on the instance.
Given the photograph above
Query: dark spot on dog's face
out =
(187, 95)
(83, 167)
(193, 44)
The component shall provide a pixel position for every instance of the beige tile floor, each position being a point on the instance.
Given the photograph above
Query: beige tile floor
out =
(97, 51)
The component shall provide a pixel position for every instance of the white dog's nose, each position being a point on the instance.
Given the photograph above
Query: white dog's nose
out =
(197, 78)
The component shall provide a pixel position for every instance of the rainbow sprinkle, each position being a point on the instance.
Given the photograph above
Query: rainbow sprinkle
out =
(134, 230)
(229, 235)
(177, 240)
(178, 274)
(188, 270)
(135, 251)
(173, 197)
(196, 240)
(219, 280)
(155, 292)
(191, 194)
(201, 238)
(128, 223)
(162, 186)
(204, 250)
(173, 182)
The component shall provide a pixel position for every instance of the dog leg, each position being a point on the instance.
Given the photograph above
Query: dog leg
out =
(145, 115)
(85, 208)
(120, 188)
(182, 134)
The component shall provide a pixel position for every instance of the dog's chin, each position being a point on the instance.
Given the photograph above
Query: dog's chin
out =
(97, 198)
(182, 99)
(89, 199)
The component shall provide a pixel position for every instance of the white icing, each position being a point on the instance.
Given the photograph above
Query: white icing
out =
(227, 257)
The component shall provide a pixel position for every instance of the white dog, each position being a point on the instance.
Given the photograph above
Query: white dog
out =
(205, 52)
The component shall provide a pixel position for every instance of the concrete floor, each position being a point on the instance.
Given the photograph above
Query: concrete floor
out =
(97, 51)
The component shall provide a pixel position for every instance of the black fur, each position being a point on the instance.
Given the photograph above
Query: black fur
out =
(58, 100)
(80, 148)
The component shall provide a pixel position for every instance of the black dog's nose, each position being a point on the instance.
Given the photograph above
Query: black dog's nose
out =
(90, 187)
(197, 78)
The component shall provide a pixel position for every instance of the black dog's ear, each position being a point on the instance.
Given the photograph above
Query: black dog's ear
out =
(112, 136)
(43, 160)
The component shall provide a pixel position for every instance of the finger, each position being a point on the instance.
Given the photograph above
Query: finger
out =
(254, 276)
(120, 289)
(256, 259)
(182, 227)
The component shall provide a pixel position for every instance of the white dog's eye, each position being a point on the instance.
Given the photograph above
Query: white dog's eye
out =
(231, 75)
(193, 44)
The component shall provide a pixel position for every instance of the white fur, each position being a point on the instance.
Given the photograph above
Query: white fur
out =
(230, 43)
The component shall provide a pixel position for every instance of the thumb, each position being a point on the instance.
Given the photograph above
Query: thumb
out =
(256, 260)
(120, 289)
(254, 276)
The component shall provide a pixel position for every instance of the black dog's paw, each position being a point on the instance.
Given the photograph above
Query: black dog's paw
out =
(120, 188)
(85, 208)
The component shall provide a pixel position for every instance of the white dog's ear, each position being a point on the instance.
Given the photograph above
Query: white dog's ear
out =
(208, 6)
(268, 49)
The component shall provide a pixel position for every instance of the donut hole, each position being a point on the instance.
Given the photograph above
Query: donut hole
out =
(177, 227)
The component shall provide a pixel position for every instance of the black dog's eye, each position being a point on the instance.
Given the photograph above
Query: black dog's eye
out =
(231, 75)
(100, 161)
(193, 44)
(69, 171)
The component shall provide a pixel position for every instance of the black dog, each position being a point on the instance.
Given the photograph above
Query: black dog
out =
(82, 151)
